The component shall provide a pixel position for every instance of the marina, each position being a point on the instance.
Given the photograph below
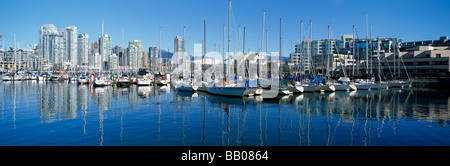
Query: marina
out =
(237, 87)
(58, 113)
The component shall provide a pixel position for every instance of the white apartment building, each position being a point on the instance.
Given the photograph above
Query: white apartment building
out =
(83, 50)
(135, 55)
(70, 35)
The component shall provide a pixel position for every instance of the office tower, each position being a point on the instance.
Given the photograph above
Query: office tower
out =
(179, 45)
(135, 54)
(83, 49)
(104, 42)
(70, 34)
(92, 55)
(153, 52)
(119, 51)
(47, 35)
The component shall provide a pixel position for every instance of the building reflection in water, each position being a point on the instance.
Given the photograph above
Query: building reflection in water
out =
(158, 115)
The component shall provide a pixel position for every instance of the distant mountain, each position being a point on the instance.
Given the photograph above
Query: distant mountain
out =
(166, 54)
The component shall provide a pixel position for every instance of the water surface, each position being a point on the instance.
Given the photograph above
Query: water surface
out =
(62, 113)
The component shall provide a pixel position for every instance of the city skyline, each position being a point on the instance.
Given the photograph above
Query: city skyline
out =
(141, 20)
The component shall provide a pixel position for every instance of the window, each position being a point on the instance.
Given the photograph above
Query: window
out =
(438, 55)
(427, 56)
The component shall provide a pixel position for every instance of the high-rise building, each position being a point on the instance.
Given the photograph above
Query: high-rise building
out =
(104, 42)
(92, 55)
(152, 59)
(119, 51)
(144, 59)
(83, 49)
(70, 34)
(47, 43)
(179, 45)
(135, 54)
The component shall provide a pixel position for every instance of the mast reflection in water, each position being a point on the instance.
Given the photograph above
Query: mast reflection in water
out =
(62, 113)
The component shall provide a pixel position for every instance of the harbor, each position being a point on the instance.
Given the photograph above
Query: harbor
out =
(237, 87)
(59, 113)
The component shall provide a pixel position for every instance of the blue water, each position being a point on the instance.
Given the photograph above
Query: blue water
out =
(62, 113)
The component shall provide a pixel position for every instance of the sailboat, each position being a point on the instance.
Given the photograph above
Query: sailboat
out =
(365, 84)
(329, 87)
(296, 87)
(101, 81)
(83, 79)
(123, 81)
(379, 84)
(310, 85)
(282, 90)
(226, 90)
(184, 85)
(400, 83)
(144, 78)
(343, 83)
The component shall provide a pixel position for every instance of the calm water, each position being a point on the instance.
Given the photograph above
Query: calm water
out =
(61, 113)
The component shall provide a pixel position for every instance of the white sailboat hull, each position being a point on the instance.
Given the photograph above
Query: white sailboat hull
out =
(7, 78)
(310, 88)
(101, 82)
(143, 82)
(83, 81)
(341, 87)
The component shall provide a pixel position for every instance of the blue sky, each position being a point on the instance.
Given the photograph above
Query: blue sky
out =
(411, 20)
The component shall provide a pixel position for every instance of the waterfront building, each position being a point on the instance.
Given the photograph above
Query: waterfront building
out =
(144, 59)
(70, 35)
(120, 53)
(48, 35)
(153, 57)
(83, 50)
(418, 61)
(179, 44)
(179, 50)
(443, 41)
(113, 62)
(104, 45)
(24, 59)
(135, 55)
(299, 63)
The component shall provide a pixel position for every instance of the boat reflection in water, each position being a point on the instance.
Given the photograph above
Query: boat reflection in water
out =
(64, 113)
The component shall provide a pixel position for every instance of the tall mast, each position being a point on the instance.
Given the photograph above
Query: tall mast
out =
(328, 53)
(353, 51)
(15, 64)
(300, 47)
(204, 44)
(367, 48)
(223, 54)
(228, 51)
(281, 56)
(266, 56)
(371, 51)
(262, 33)
(311, 62)
(160, 55)
(378, 57)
